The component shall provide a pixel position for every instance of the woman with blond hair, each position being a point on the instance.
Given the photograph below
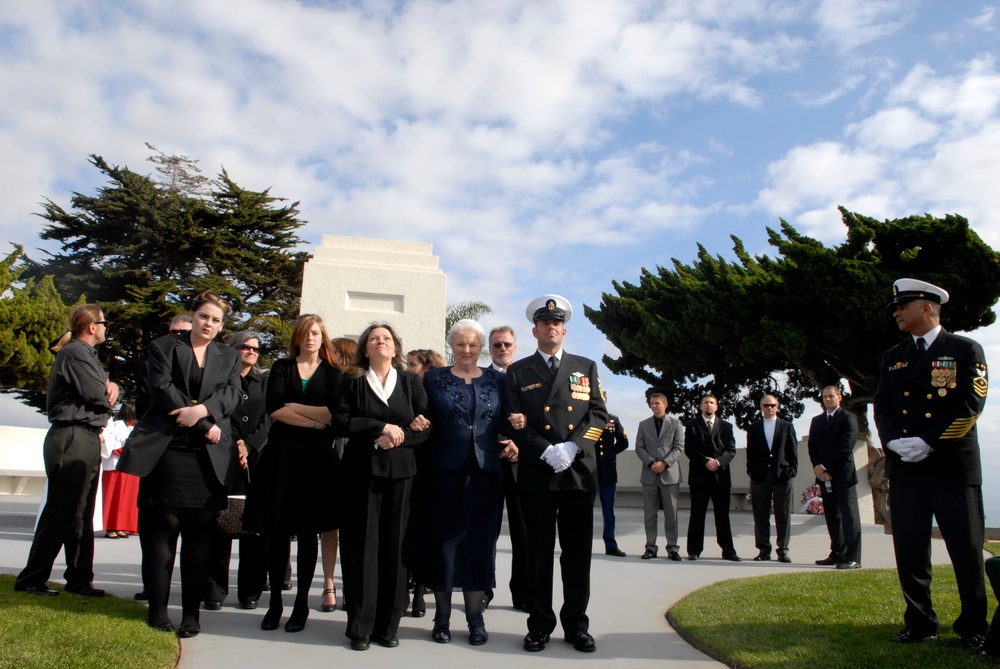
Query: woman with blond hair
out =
(298, 464)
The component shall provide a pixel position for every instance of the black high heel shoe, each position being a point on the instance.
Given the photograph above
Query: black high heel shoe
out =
(297, 621)
(329, 608)
(271, 619)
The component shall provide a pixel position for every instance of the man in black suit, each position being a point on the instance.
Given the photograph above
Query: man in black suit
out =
(557, 414)
(710, 445)
(772, 462)
(832, 436)
(931, 391)
(612, 442)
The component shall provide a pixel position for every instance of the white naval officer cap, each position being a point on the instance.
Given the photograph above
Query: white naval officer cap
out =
(552, 306)
(907, 290)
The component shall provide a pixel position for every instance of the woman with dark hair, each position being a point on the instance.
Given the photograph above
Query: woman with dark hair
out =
(183, 450)
(298, 467)
(119, 490)
(250, 424)
(374, 409)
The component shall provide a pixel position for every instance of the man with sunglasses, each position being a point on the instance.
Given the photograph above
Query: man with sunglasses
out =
(772, 462)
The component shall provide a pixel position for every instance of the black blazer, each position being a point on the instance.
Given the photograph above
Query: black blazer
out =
(554, 416)
(700, 445)
(170, 359)
(783, 460)
(831, 444)
(360, 416)
(613, 441)
(912, 402)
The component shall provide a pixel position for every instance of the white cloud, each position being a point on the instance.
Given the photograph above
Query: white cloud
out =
(847, 24)
(895, 129)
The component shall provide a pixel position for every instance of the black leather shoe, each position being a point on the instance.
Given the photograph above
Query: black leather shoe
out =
(441, 633)
(271, 619)
(248, 604)
(364, 643)
(37, 590)
(616, 552)
(535, 641)
(732, 557)
(911, 636)
(762, 557)
(828, 561)
(286, 585)
(419, 610)
(648, 555)
(213, 605)
(849, 565)
(582, 641)
(783, 557)
(140, 596)
(674, 555)
(163, 627)
(85, 590)
(188, 630)
(974, 643)
(297, 621)
(693, 557)
(390, 641)
(478, 635)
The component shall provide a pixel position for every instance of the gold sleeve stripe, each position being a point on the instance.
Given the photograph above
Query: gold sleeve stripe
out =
(593, 433)
(980, 385)
(960, 427)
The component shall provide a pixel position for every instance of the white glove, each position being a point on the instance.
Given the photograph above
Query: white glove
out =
(569, 451)
(559, 457)
(918, 450)
(894, 445)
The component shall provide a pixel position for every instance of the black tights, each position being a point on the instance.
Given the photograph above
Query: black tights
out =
(474, 604)
(158, 532)
(278, 550)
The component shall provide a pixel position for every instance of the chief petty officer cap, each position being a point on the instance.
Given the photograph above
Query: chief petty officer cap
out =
(907, 290)
(555, 307)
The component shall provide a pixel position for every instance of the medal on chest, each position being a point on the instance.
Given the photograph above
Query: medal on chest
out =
(944, 375)
(579, 386)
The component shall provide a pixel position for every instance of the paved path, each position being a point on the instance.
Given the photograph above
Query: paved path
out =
(628, 602)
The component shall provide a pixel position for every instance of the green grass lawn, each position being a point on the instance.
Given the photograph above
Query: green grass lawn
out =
(828, 619)
(74, 631)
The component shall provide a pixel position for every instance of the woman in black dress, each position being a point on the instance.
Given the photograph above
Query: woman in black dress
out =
(374, 410)
(298, 466)
(182, 448)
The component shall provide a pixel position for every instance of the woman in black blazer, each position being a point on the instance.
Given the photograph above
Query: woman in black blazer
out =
(182, 448)
(374, 411)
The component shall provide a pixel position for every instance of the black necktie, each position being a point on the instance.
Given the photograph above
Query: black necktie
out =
(921, 344)
(553, 364)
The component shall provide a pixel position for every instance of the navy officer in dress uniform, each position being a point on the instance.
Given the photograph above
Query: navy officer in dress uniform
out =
(932, 388)
(613, 441)
(557, 414)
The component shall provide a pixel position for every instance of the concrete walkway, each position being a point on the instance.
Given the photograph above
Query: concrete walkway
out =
(627, 606)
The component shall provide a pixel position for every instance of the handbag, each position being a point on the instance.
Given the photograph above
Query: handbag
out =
(230, 521)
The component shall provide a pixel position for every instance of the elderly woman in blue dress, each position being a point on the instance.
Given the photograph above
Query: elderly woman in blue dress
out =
(460, 480)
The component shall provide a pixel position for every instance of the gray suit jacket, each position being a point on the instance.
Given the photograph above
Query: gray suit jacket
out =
(666, 447)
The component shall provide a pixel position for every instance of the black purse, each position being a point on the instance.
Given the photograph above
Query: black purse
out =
(230, 521)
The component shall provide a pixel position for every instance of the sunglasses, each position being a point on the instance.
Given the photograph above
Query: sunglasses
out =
(250, 349)
(768, 406)
(104, 323)
(178, 332)
(503, 344)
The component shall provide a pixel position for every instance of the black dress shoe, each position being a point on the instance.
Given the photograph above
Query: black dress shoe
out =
(188, 630)
(849, 565)
(37, 590)
(582, 641)
(390, 641)
(478, 636)
(271, 619)
(535, 641)
(85, 590)
(649, 554)
(912, 636)
(783, 557)
(140, 596)
(248, 604)
(732, 557)
(761, 557)
(974, 643)
(828, 561)
(616, 552)
(287, 585)
(163, 627)
(364, 643)
(213, 605)
(693, 557)
(297, 621)
(441, 633)
(674, 555)
(419, 610)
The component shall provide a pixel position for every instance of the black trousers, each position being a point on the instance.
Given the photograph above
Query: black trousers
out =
(375, 554)
(959, 513)
(72, 456)
(702, 491)
(761, 496)
(517, 530)
(570, 513)
(843, 520)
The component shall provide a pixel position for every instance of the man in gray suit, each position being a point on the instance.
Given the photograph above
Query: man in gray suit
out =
(659, 445)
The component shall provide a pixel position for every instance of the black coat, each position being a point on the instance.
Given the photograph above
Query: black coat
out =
(831, 444)
(782, 460)
(700, 445)
(612, 442)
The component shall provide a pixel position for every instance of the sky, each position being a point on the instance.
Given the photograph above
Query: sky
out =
(539, 145)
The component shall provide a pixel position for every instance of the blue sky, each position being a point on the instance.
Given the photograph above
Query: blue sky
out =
(540, 146)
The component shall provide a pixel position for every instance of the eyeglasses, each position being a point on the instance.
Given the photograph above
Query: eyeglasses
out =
(768, 406)
(178, 332)
(503, 344)
(250, 349)
(104, 323)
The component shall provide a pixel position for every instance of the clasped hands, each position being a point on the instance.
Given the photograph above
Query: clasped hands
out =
(189, 416)
(910, 449)
(391, 437)
(560, 456)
